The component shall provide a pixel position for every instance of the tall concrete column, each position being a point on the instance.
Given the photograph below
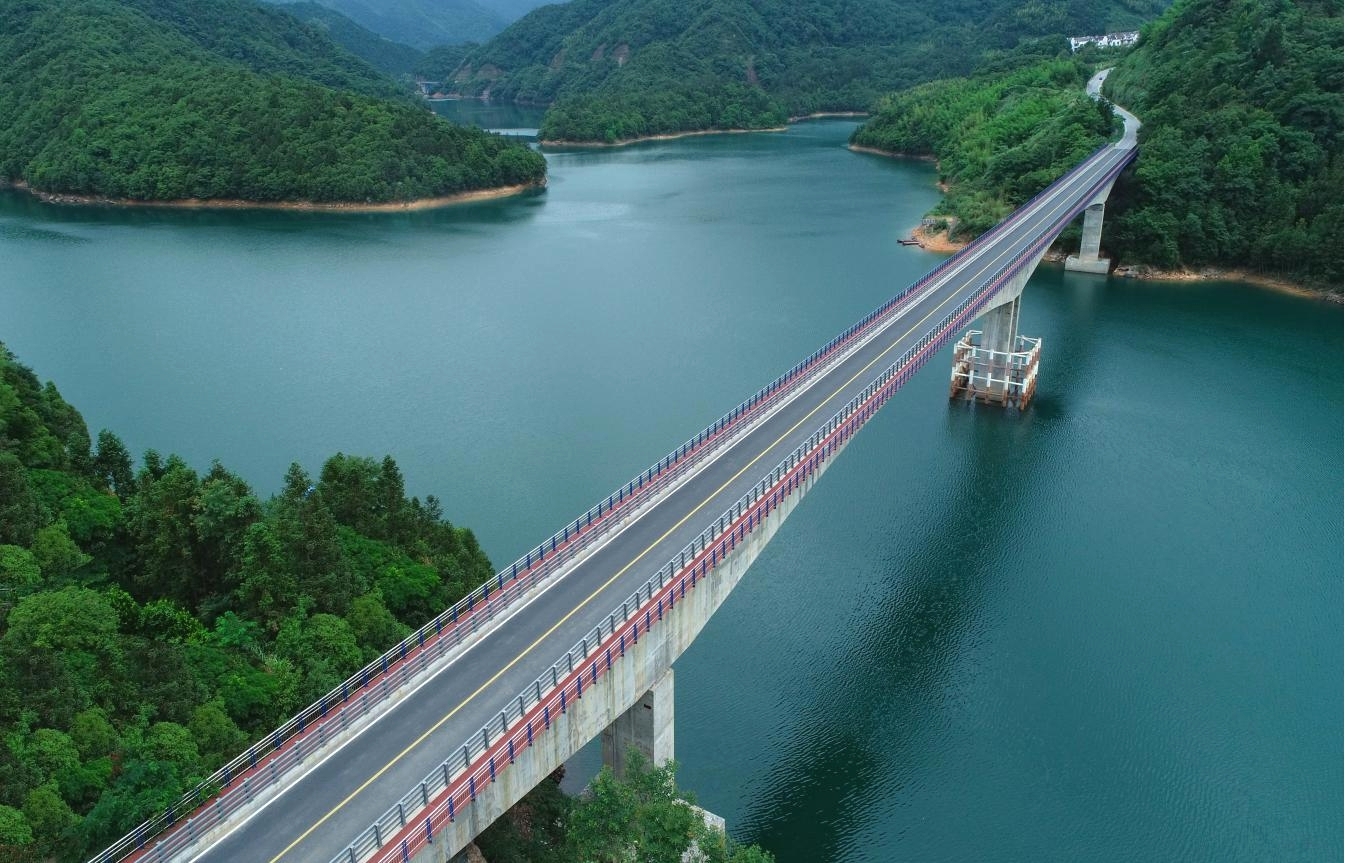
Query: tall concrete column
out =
(999, 326)
(1087, 261)
(647, 727)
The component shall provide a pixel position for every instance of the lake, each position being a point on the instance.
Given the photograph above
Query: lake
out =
(1107, 629)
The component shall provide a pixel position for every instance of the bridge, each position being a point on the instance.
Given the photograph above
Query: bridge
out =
(413, 756)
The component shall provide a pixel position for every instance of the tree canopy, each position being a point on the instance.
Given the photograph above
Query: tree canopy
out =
(999, 137)
(628, 68)
(159, 100)
(643, 818)
(154, 621)
(1240, 153)
(378, 51)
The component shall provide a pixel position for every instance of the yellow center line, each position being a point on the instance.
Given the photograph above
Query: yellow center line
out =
(447, 716)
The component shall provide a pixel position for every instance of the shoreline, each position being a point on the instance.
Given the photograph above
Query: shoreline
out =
(939, 243)
(822, 115)
(667, 136)
(874, 151)
(1145, 273)
(296, 206)
(672, 136)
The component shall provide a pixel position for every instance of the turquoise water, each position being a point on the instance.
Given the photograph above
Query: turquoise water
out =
(1107, 629)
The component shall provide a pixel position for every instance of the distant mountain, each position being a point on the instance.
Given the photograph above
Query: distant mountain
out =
(423, 24)
(157, 100)
(618, 69)
(378, 51)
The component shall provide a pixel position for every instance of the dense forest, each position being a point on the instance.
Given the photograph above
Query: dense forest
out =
(169, 99)
(1240, 154)
(382, 53)
(999, 137)
(155, 620)
(425, 24)
(618, 69)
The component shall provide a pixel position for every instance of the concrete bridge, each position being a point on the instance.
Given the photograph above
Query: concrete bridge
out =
(411, 758)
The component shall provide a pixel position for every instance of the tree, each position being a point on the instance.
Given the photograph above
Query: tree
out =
(216, 735)
(93, 734)
(14, 828)
(56, 552)
(159, 524)
(645, 815)
(310, 544)
(19, 515)
(49, 816)
(63, 649)
(112, 465)
(19, 571)
(226, 508)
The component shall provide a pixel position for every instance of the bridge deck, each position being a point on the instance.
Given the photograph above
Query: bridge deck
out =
(315, 820)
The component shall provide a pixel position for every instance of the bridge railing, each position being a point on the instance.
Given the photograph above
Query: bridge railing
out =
(410, 824)
(269, 760)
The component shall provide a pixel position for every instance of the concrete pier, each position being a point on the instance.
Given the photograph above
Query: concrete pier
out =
(1087, 261)
(615, 703)
(646, 727)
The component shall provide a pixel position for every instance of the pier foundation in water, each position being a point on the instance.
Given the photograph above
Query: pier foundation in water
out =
(996, 365)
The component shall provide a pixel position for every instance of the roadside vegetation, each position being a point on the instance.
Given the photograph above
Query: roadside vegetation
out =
(1240, 154)
(644, 818)
(220, 99)
(999, 137)
(154, 621)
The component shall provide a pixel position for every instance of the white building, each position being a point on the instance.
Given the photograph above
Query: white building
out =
(1110, 40)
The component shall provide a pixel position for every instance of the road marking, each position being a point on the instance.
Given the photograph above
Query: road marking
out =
(822, 403)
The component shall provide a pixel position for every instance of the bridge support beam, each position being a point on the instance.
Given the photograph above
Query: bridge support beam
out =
(1087, 261)
(644, 670)
(995, 365)
(646, 727)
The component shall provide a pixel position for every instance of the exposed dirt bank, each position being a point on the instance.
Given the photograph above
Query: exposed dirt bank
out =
(303, 206)
(671, 136)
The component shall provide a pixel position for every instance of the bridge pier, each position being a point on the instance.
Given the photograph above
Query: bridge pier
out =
(1087, 261)
(646, 727)
(995, 365)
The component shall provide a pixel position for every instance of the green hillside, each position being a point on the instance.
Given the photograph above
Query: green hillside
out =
(382, 53)
(999, 138)
(618, 69)
(1240, 154)
(168, 99)
(423, 24)
(155, 620)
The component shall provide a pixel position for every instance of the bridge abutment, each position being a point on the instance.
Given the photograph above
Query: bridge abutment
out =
(646, 727)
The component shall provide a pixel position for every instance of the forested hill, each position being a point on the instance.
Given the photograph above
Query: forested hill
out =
(999, 137)
(155, 620)
(422, 24)
(220, 99)
(378, 51)
(619, 69)
(1240, 154)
